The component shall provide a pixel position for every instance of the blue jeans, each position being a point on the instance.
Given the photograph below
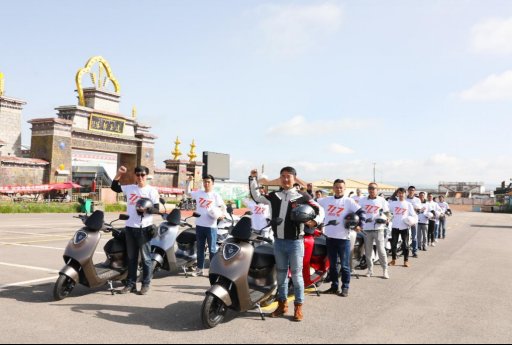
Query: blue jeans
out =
(137, 240)
(414, 238)
(337, 248)
(436, 229)
(442, 228)
(289, 253)
(204, 234)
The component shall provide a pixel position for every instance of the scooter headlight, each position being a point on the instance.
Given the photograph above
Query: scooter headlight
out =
(79, 237)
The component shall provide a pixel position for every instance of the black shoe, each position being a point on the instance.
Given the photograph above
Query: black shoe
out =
(344, 292)
(128, 289)
(144, 290)
(414, 255)
(331, 291)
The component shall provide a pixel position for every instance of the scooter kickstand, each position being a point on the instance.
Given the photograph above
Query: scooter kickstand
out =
(184, 271)
(316, 290)
(111, 287)
(261, 312)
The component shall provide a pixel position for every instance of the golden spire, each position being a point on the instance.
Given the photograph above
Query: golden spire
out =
(176, 153)
(1, 84)
(134, 112)
(192, 155)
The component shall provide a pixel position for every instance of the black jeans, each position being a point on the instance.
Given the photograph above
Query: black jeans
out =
(405, 242)
(431, 231)
(137, 240)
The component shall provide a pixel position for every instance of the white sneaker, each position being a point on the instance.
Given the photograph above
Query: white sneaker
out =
(385, 274)
(369, 274)
(198, 273)
(433, 244)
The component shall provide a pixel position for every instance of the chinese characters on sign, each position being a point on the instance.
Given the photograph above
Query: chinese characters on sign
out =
(106, 124)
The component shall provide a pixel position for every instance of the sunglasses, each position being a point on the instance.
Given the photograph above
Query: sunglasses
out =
(140, 175)
(371, 188)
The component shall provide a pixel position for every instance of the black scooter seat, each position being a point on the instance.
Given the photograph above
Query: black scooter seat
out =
(263, 256)
(187, 236)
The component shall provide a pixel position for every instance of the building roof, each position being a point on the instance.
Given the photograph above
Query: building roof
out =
(350, 184)
(23, 161)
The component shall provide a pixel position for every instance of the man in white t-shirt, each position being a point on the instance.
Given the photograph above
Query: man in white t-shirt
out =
(401, 209)
(337, 207)
(415, 202)
(375, 206)
(211, 207)
(358, 195)
(445, 209)
(260, 212)
(139, 229)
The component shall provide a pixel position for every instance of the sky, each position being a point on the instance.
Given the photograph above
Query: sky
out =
(422, 90)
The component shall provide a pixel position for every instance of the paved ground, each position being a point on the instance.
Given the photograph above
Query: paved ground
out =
(457, 292)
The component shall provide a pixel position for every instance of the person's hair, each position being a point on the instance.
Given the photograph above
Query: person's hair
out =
(441, 196)
(411, 187)
(297, 185)
(142, 168)
(400, 190)
(422, 193)
(338, 180)
(429, 194)
(373, 184)
(209, 177)
(289, 170)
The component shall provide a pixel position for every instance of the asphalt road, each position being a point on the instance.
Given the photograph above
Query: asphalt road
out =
(457, 292)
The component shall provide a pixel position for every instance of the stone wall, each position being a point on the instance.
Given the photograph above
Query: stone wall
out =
(10, 129)
(21, 175)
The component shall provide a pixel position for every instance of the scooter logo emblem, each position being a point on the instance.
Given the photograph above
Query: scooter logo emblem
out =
(230, 251)
(79, 237)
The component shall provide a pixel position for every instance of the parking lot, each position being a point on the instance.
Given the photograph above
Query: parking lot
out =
(457, 292)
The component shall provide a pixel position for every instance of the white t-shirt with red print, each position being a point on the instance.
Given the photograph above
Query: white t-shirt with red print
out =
(260, 214)
(204, 203)
(400, 210)
(337, 209)
(134, 193)
(372, 209)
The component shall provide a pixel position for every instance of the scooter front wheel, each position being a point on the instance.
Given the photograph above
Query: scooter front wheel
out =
(63, 287)
(212, 311)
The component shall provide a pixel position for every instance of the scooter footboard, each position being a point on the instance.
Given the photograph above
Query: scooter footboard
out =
(221, 293)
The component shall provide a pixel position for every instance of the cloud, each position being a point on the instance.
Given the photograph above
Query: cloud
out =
(492, 36)
(291, 30)
(298, 125)
(493, 88)
(337, 148)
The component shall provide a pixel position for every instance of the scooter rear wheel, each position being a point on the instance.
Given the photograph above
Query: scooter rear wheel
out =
(63, 287)
(212, 311)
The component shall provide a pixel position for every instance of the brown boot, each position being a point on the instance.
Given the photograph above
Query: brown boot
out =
(297, 315)
(392, 263)
(406, 263)
(282, 308)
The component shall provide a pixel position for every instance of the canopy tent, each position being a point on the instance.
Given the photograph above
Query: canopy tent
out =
(38, 188)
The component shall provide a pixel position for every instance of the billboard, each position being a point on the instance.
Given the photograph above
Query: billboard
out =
(216, 164)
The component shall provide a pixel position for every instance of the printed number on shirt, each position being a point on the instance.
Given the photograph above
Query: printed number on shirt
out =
(400, 211)
(204, 203)
(371, 209)
(334, 211)
(133, 198)
(259, 210)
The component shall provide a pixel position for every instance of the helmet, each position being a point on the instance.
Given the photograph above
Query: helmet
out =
(143, 206)
(215, 212)
(351, 220)
(303, 213)
(381, 219)
(410, 220)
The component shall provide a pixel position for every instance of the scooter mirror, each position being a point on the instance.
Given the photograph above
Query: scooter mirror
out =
(162, 201)
(124, 217)
(81, 201)
(195, 214)
(229, 209)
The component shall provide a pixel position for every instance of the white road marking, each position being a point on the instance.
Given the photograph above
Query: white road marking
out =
(30, 267)
(34, 246)
(26, 282)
